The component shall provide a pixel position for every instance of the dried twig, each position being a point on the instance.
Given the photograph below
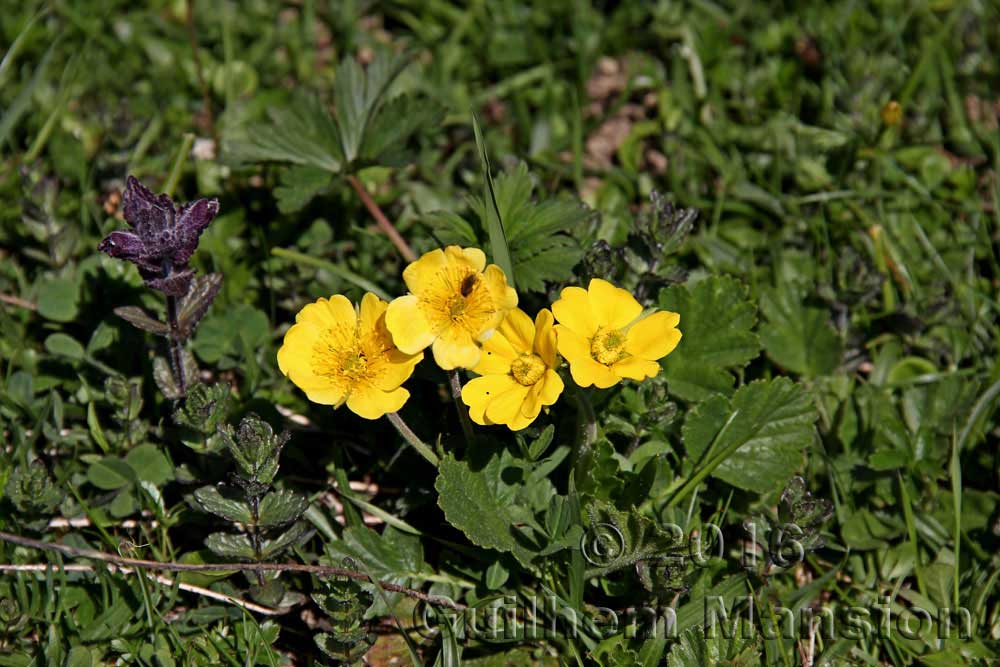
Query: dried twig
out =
(321, 570)
(166, 581)
(17, 301)
(383, 222)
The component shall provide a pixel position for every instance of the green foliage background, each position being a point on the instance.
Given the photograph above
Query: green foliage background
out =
(838, 297)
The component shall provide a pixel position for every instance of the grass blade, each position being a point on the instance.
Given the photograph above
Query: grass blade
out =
(494, 225)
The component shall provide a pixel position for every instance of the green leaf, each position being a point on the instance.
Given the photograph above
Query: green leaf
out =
(57, 299)
(280, 507)
(753, 441)
(64, 346)
(297, 534)
(217, 336)
(797, 337)
(111, 473)
(228, 545)
(150, 464)
(299, 184)
(300, 131)
(393, 554)
(478, 502)
(696, 649)
(230, 509)
(359, 94)
(616, 539)
(140, 319)
(717, 327)
(492, 217)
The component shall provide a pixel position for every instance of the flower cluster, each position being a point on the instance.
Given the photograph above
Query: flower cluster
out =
(164, 236)
(465, 311)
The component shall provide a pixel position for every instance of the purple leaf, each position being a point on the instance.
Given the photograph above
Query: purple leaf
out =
(192, 219)
(146, 212)
(123, 245)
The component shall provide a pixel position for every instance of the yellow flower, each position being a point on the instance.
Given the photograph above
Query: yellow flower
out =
(603, 339)
(517, 372)
(453, 305)
(337, 353)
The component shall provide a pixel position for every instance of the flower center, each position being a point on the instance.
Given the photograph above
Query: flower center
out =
(456, 307)
(527, 369)
(608, 346)
(343, 356)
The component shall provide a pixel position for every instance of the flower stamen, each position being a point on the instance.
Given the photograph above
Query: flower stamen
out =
(608, 346)
(527, 369)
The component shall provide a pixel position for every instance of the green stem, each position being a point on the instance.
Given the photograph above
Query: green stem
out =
(422, 448)
(463, 412)
(586, 431)
(175, 171)
(176, 348)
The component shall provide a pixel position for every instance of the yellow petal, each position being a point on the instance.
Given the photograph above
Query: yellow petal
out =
(506, 407)
(587, 372)
(504, 296)
(496, 357)
(653, 337)
(520, 421)
(572, 346)
(455, 348)
(411, 332)
(328, 313)
(531, 405)
(397, 369)
(479, 392)
(635, 368)
(551, 388)
(519, 330)
(421, 274)
(613, 307)
(474, 258)
(573, 311)
(370, 402)
(372, 308)
(331, 395)
(544, 344)
(295, 356)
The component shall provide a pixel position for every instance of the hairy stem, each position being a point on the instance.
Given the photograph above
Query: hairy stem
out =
(383, 222)
(463, 411)
(422, 448)
(586, 431)
(175, 346)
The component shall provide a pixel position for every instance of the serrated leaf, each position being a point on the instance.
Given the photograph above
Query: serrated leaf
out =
(280, 507)
(297, 534)
(477, 502)
(615, 539)
(696, 649)
(300, 131)
(217, 337)
(756, 438)
(717, 322)
(211, 500)
(299, 184)
(140, 319)
(229, 545)
(110, 473)
(196, 302)
(797, 337)
(359, 94)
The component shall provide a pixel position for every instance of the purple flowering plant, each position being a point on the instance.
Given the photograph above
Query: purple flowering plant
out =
(162, 240)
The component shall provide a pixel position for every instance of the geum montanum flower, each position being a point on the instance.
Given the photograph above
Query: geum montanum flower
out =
(336, 354)
(602, 336)
(455, 303)
(517, 372)
(164, 237)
